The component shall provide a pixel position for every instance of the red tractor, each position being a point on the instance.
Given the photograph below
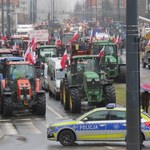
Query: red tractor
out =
(21, 90)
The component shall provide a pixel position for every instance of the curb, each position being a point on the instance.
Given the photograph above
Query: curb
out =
(1, 132)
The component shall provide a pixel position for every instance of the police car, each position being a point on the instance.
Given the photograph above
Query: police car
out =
(107, 123)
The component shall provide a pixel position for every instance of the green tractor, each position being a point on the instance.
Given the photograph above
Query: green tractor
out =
(85, 82)
(21, 90)
(110, 61)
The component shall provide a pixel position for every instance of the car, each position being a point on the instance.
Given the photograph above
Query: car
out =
(100, 124)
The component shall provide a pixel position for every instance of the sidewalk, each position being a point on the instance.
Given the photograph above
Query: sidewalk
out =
(1, 132)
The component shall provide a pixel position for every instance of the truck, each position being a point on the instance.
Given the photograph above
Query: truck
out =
(54, 75)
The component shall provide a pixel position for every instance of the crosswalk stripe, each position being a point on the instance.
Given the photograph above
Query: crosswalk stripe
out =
(9, 129)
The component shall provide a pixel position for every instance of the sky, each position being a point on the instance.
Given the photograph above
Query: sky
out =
(44, 6)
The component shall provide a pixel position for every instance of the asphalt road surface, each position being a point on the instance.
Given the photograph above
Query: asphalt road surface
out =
(28, 132)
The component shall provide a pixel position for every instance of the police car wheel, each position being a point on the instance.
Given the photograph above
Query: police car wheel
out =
(66, 137)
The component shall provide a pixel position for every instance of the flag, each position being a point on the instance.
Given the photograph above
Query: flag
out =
(148, 44)
(101, 53)
(75, 36)
(91, 37)
(63, 60)
(30, 55)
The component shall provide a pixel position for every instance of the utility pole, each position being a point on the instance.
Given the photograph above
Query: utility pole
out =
(83, 10)
(133, 79)
(8, 16)
(53, 12)
(3, 17)
(118, 10)
(96, 10)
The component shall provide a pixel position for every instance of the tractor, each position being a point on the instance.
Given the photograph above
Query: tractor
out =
(21, 89)
(110, 61)
(84, 81)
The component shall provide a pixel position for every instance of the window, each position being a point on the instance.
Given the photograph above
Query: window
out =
(98, 115)
(117, 115)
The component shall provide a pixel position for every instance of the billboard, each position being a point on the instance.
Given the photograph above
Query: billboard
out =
(12, 2)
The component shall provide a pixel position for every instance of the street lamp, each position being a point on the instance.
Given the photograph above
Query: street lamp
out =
(8, 16)
(3, 17)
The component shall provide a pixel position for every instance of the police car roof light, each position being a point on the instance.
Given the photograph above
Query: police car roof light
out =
(110, 105)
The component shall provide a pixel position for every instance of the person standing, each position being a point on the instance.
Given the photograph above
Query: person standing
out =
(145, 97)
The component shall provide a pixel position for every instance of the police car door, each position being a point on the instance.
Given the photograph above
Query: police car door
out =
(93, 126)
(116, 125)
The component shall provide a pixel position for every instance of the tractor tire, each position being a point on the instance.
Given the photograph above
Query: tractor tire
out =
(61, 92)
(7, 106)
(57, 96)
(50, 93)
(74, 101)
(41, 105)
(109, 94)
(65, 94)
(143, 64)
(122, 74)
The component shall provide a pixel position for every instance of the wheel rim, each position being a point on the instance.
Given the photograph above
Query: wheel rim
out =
(70, 97)
(66, 138)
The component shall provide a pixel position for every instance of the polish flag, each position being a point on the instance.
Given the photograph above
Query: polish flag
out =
(63, 60)
(148, 44)
(30, 55)
(101, 53)
(75, 36)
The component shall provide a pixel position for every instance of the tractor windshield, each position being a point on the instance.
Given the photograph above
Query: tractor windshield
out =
(17, 71)
(88, 64)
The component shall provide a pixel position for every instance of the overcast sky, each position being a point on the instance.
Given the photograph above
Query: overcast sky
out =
(44, 6)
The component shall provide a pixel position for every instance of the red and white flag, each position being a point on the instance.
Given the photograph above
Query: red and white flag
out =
(63, 60)
(75, 36)
(30, 55)
(101, 53)
(148, 44)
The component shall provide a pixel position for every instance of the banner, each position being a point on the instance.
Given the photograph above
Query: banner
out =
(12, 2)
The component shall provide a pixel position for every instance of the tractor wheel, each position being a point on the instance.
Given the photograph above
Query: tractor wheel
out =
(41, 105)
(65, 95)
(7, 106)
(57, 96)
(122, 74)
(109, 94)
(61, 92)
(50, 93)
(74, 101)
(143, 64)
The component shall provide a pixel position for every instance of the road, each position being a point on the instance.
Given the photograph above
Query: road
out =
(28, 132)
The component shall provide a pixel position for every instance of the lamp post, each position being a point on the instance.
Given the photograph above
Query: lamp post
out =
(3, 17)
(8, 16)
(96, 10)
(118, 10)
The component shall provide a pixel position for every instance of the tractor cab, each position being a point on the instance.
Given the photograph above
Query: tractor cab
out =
(20, 71)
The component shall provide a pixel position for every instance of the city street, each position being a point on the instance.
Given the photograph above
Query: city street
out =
(29, 132)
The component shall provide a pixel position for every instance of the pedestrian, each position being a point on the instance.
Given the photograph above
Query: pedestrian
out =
(145, 97)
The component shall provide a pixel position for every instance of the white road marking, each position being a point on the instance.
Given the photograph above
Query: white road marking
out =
(55, 112)
(109, 147)
(9, 129)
